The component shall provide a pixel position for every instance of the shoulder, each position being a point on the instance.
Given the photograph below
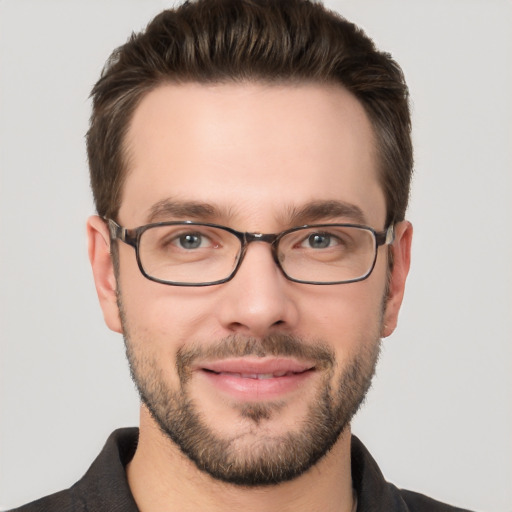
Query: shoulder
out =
(62, 501)
(376, 494)
(103, 488)
(417, 502)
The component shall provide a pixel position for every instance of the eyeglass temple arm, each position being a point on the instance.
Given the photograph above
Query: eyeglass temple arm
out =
(117, 232)
(386, 237)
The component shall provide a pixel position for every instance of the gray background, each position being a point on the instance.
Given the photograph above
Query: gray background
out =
(439, 417)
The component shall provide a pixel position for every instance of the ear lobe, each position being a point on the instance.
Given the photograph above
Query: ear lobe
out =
(401, 262)
(103, 271)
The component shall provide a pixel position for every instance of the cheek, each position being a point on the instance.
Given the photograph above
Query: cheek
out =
(166, 317)
(347, 316)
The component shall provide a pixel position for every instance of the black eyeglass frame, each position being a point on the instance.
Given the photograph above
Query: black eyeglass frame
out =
(132, 237)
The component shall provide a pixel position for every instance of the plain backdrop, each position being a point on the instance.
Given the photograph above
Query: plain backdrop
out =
(439, 417)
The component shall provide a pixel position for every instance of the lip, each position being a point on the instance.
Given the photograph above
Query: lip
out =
(261, 379)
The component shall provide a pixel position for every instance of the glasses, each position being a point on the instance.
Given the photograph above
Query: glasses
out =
(201, 254)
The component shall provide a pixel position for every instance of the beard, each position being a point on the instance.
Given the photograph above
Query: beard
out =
(268, 458)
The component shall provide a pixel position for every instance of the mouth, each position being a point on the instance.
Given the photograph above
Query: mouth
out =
(259, 376)
(256, 379)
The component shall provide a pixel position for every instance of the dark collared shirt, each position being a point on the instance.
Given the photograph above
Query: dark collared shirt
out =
(104, 488)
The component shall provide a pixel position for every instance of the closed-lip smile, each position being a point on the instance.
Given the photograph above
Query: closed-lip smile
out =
(250, 379)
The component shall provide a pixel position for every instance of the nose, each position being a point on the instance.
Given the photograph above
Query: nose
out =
(259, 299)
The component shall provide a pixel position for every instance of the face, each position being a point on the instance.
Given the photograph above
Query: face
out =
(256, 378)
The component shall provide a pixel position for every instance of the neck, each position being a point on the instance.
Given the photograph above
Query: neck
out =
(163, 479)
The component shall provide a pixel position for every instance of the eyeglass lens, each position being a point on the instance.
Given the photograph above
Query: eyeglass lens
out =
(199, 254)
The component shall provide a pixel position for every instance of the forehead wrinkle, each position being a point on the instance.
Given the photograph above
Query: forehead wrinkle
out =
(322, 210)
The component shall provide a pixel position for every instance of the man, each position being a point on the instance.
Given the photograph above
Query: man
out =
(256, 156)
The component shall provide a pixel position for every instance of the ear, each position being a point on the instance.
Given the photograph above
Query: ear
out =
(401, 249)
(103, 271)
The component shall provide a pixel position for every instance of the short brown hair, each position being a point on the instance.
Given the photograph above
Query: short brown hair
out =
(279, 41)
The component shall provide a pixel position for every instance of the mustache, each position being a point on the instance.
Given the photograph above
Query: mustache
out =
(276, 345)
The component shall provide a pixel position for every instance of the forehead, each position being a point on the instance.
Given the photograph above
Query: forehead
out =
(251, 150)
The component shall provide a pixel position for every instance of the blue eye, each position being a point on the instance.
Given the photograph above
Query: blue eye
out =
(319, 240)
(190, 240)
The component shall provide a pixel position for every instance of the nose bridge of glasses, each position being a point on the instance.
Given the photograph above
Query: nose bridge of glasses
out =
(259, 237)
(271, 239)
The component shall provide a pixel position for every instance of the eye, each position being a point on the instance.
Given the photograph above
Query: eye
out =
(192, 241)
(320, 241)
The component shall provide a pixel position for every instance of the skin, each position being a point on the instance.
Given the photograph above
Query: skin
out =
(255, 152)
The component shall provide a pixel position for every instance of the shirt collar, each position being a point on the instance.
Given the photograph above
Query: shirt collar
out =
(105, 485)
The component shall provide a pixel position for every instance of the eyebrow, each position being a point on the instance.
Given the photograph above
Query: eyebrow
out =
(314, 211)
(190, 210)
